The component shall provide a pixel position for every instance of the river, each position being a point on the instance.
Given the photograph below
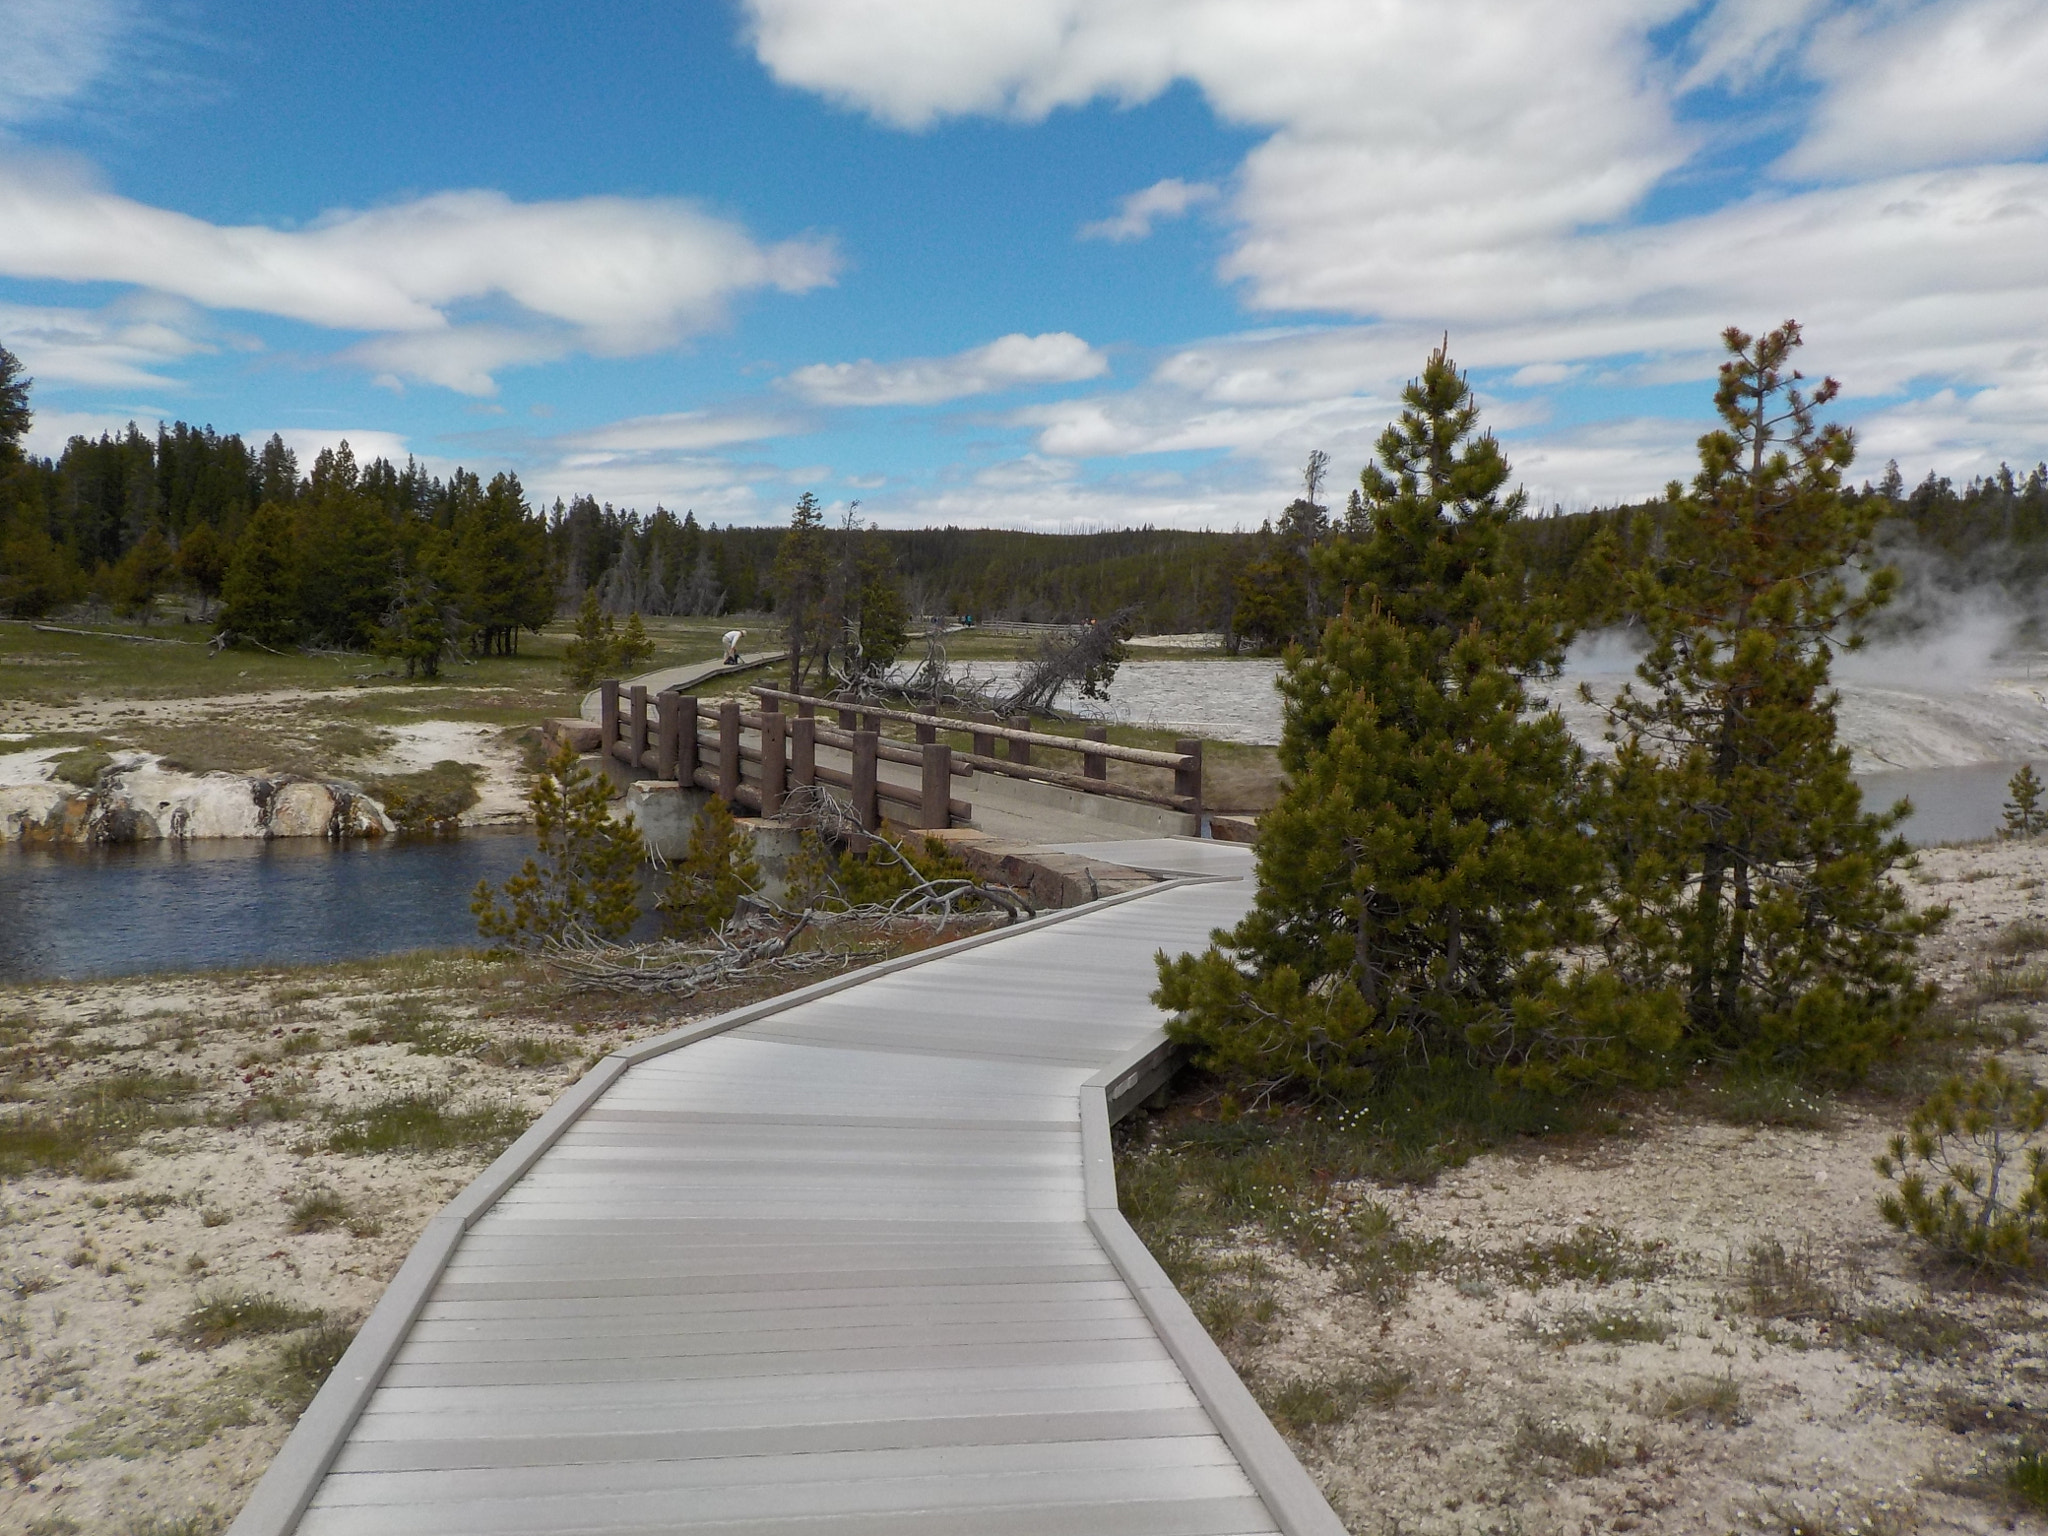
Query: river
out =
(115, 910)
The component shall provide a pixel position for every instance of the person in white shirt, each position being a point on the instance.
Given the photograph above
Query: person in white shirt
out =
(732, 646)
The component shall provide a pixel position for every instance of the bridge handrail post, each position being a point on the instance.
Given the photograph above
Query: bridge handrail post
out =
(607, 715)
(1093, 764)
(934, 811)
(1187, 782)
(636, 746)
(803, 751)
(866, 806)
(1020, 751)
(773, 767)
(729, 750)
(669, 740)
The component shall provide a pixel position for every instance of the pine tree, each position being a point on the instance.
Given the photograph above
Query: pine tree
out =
(260, 598)
(583, 888)
(143, 572)
(633, 649)
(705, 885)
(591, 651)
(416, 627)
(203, 561)
(2023, 814)
(802, 597)
(1747, 877)
(1426, 860)
(15, 415)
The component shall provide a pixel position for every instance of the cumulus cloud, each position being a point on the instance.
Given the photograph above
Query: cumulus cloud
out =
(1136, 214)
(1938, 85)
(611, 275)
(1008, 362)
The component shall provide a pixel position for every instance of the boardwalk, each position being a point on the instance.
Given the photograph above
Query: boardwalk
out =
(834, 1272)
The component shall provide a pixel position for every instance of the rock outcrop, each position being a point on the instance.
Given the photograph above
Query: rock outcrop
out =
(144, 802)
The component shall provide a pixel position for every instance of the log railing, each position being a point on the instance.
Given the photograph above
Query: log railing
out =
(1018, 741)
(703, 742)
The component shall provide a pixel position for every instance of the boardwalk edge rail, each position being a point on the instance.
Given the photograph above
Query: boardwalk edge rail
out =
(287, 1486)
(1296, 1504)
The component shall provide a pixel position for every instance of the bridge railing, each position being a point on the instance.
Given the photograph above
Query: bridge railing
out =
(754, 758)
(1020, 744)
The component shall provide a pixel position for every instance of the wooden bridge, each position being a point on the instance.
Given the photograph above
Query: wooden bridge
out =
(845, 1263)
(753, 758)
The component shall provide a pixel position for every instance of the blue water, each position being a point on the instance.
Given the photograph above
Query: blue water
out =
(110, 911)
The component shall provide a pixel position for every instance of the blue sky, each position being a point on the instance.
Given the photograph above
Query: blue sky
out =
(1051, 264)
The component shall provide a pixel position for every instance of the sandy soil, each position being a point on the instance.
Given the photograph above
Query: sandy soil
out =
(1884, 1404)
(113, 1415)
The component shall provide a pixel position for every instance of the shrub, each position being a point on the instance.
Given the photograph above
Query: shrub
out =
(224, 1316)
(705, 885)
(584, 887)
(1971, 1172)
(422, 1122)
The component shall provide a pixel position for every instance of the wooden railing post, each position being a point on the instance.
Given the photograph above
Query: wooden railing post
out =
(729, 750)
(669, 739)
(607, 715)
(871, 723)
(984, 742)
(772, 765)
(1093, 764)
(687, 754)
(927, 734)
(637, 748)
(866, 809)
(770, 704)
(806, 710)
(803, 751)
(848, 720)
(1187, 782)
(1020, 751)
(938, 787)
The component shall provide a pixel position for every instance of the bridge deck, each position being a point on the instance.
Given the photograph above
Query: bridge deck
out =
(830, 1272)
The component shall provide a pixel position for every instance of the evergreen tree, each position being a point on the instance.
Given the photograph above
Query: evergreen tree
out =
(802, 590)
(501, 554)
(15, 415)
(2023, 814)
(583, 886)
(1748, 878)
(37, 574)
(346, 555)
(416, 628)
(143, 572)
(633, 649)
(705, 885)
(260, 597)
(1426, 861)
(203, 561)
(593, 648)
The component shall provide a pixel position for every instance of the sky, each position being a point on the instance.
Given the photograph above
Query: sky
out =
(1059, 264)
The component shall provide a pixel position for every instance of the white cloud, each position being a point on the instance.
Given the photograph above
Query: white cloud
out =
(682, 432)
(1008, 362)
(611, 275)
(368, 444)
(119, 346)
(54, 49)
(1168, 199)
(1941, 84)
(49, 431)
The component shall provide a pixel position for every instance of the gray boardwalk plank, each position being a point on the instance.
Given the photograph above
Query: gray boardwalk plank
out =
(828, 1274)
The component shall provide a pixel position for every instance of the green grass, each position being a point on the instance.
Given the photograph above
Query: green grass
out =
(431, 800)
(318, 1210)
(304, 1361)
(1793, 1286)
(1581, 1452)
(1706, 1399)
(85, 1133)
(224, 1316)
(83, 766)
(409, 1021)
(2026, 1478)
(424, 1122)
(1308, 1404)
(1767, 1099)
(1603, 1326)
(1590, 1255)
(1920, 1330)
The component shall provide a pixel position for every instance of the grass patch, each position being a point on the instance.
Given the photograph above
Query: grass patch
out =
(318, 1210)
(424, 1122)
(527, 1051)
(82, 766)
(304, 1041)
(431, 800)
(1591, 1255)
(410, 1022)
(1581, 1452)
(226, 1316)
(2026, 1479)
(1920, 1330)
(1579, 1325)
(1770, 1099)
(85, 1135)
(2010, 984)
(304, 1362)
(1703, 1399)
(1792, 1286)
(2019, 939)
(1308, 1404)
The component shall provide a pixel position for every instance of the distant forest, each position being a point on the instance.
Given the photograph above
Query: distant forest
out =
(354, 556)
